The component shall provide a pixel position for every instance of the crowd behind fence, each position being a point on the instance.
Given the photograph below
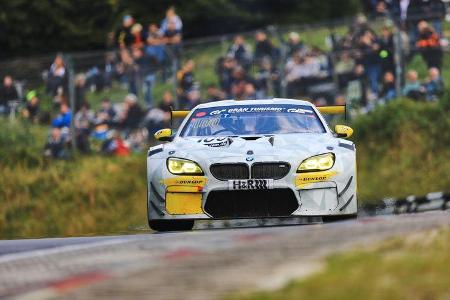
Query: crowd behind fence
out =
(362, 63)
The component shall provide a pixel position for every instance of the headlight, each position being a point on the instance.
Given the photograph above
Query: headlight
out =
(179, 166)
(320, 162)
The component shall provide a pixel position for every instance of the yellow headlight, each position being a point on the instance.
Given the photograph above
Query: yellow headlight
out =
(320, 162)
(180, 166)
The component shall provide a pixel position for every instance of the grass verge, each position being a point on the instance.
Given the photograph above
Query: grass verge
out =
(415, 267)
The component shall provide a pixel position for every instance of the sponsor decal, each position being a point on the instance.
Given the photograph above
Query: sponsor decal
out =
(203, 123)
(216, 142)
(198, 181)
(200, 114)
(260, 109)
(304, 179)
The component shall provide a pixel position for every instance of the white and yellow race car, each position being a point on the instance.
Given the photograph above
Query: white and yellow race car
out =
(251, 159)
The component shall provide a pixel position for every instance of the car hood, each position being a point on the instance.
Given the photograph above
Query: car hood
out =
(276, 147)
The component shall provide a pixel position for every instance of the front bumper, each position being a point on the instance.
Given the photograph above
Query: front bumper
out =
(199, 197)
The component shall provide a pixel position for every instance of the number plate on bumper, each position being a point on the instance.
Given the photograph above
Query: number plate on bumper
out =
(250, 184)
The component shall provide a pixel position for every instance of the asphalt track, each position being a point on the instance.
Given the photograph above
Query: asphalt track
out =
(202, 264)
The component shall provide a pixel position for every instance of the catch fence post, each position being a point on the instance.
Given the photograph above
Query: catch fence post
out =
(398, 59)
(71, 88)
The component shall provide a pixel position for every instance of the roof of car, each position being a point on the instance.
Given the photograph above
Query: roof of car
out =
(253, 102)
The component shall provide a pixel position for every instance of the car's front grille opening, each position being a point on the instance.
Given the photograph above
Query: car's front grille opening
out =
(251, 204)
(230, 171)
(272, 170)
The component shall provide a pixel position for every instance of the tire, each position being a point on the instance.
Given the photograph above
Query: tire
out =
(171, 225)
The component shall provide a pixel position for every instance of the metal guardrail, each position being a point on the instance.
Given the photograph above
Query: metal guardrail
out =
(410, 204)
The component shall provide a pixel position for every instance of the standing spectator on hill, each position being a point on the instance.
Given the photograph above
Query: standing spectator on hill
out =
(56, 75)
(31, 111)
(369, 47)
(64, 118)
(106, 113)
(124, 37)
(146, 69)
(267, 80)
(171, 16)
(186, 78)
(294, 44)
(138, 36)
(240, 52)
(8, 92)
(155, 43)
(172, 39)
(127, 70)
(413, 89)
(429, 45)
(80, 91)
(263, 47)
(434, 86)
(387, 50)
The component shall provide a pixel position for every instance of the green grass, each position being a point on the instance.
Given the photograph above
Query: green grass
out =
(415, 267)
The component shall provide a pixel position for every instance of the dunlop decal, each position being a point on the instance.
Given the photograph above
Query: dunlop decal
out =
(186, 181)
(303, 180)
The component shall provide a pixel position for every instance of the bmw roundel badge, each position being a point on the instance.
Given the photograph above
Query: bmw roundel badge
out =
(249, 158)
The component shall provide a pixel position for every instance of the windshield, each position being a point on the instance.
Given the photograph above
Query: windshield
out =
(252, 119)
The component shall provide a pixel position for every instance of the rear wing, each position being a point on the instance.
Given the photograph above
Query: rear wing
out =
(326, 110)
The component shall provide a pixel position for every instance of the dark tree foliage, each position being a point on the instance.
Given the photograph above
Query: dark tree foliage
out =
(30, 27)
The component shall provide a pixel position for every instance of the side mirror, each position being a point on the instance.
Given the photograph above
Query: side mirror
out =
(164, 135)
(343, 131)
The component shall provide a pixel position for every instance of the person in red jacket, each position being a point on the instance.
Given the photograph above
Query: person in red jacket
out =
(429, 46)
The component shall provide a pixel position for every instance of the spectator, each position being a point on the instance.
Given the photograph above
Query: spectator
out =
(267, 80)
(225, 73)
(56, 75)
(344, 68)
(429, 45)
(388, 89)
(240, 79)
(172, 39)
(171, 16)
(64, 117)
(434, 86)
(138, 36)
(186, 78)
(249, 91)
(115, 145)
(83, 121)
(193, 99)
(387, 50)
(167, 104)
(127, 70)
(80, 91)
(155, 43)
(263, 47)
(8, 92)
(31, 111)
(240, 51)
(146, 69)
(55, 145)
(106, 114)
(413, 89)
(369, 47)
(124, 37)
(132, 113)
(294, 44)
(214, 93)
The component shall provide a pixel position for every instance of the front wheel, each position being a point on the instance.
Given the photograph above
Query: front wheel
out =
(171, 225)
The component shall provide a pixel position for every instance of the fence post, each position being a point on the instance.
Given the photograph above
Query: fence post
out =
(282, 63)
(71, 88)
